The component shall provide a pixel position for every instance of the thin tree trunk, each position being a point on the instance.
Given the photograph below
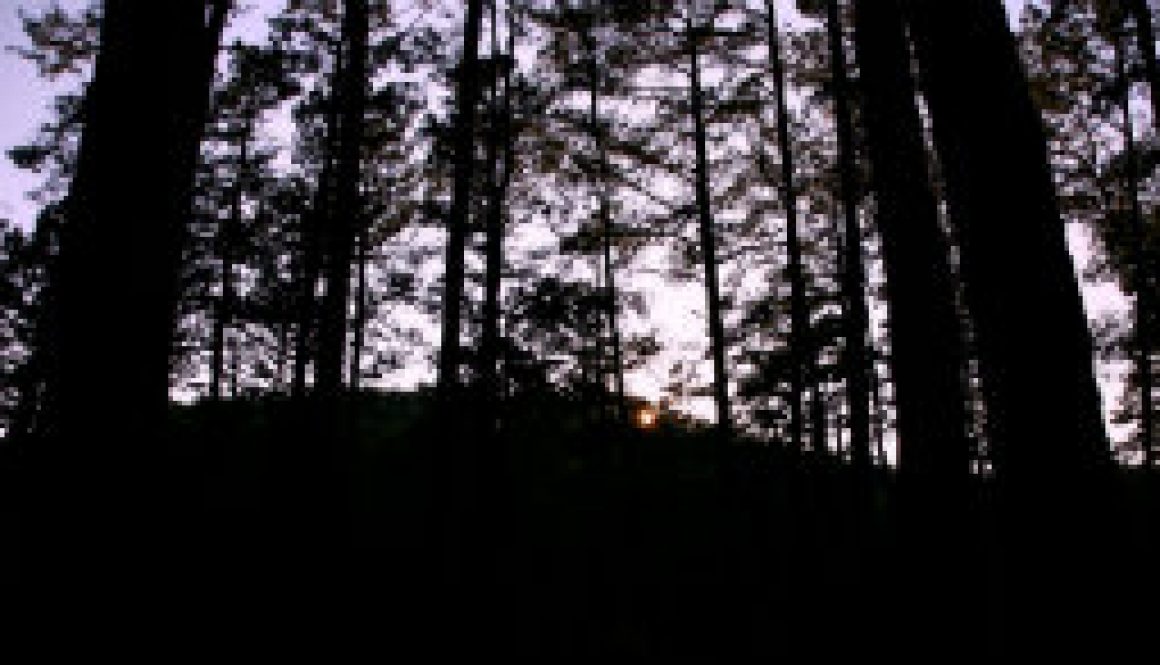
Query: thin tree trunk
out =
(799, 315)
(314, 226)
(708, 241)
(307, 283)
(283, 354)
(348, 213)
(360, 313)
(1142, 305)
(604, 213)
(497, 180)
(227, 236)
(467, 96)
(856, 317)
(820, 438)
(1146, 40)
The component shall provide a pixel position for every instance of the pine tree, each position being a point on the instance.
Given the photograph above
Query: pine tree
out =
(1034, 347)
(467, 93)
(102, 275)
(928, 358)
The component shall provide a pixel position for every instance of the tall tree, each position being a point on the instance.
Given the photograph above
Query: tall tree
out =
(697, 29)
(598, 80)
(1141, 12)
(500, 165)
(1032, 333)
(255, 84)
(348, 213)
(928, 357)
(854, 355)
(1140, 274)
(467, 93)
(799, 313)
(1045, 427)
(104, 275)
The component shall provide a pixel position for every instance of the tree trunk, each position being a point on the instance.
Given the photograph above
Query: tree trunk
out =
(708, 241)
(927, 347)
(1146, 40)
(1142, 304)
(799, 314)
(360, 313)
(1034, 345)
(499, 149)
(820, 438)
(348, 208)
(604, 213)
(118, 273)
(927, 352)
(315, 224)
(467, 96)
(1045, 427)
(856, 319)
(228, 234)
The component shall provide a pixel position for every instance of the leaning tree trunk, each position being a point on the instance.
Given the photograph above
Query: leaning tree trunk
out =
(927, 342)
(1045, 426)
(927, 348)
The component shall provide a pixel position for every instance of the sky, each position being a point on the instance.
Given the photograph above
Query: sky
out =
(24, 97)
(24, 105)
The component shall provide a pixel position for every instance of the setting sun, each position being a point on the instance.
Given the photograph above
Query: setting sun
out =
(646, 417)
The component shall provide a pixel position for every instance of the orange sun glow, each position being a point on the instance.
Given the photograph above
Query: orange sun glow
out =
(646, 417)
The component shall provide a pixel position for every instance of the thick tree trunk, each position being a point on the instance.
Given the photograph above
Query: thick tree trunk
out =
(927, 343)
(1045, 427)
(1034, 344)
(928, 357)
(118, 278)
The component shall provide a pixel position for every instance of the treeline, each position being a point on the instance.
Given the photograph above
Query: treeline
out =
(873, 198)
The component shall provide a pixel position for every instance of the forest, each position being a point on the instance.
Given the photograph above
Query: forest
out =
(715, 329)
